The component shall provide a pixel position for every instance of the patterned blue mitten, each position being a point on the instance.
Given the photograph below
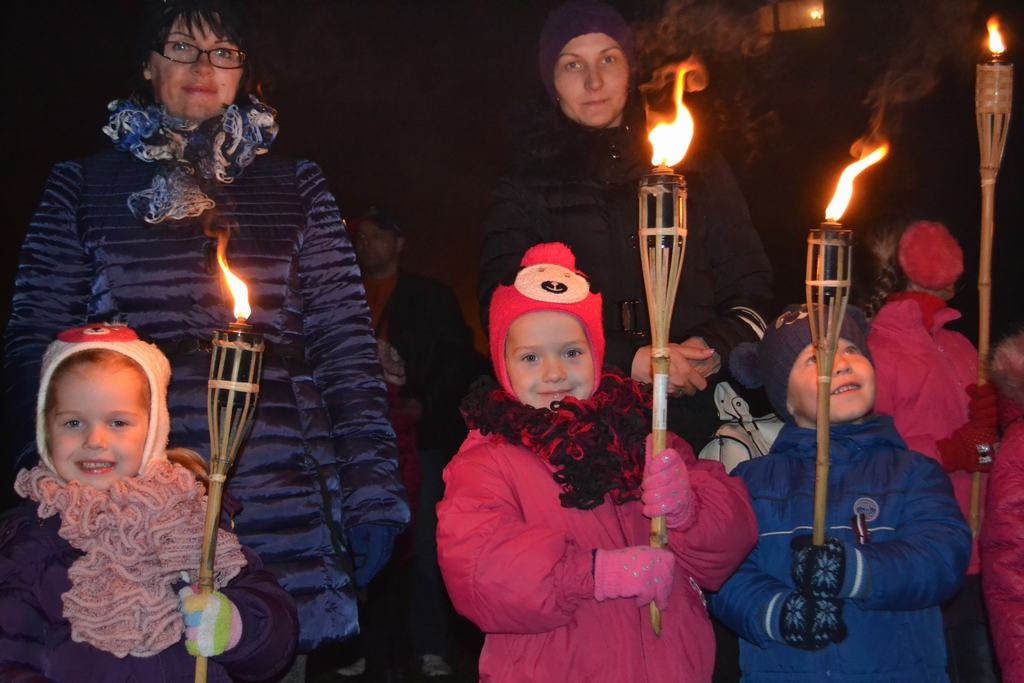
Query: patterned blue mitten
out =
(819, 570)
(811, 623)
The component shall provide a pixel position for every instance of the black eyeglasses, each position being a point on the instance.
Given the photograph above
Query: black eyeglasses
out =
(187, 53)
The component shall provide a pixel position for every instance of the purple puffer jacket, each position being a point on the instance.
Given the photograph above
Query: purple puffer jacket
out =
(35, 639)
(318, 474)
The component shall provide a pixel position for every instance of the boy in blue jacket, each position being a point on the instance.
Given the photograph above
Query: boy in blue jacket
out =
(865, 605)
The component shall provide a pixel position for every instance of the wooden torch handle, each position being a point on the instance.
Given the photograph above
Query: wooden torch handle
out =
(659, 439)
(209, 552)
(824, 422)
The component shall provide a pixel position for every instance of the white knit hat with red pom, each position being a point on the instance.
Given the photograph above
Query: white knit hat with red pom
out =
(119, 339)
(548, 281)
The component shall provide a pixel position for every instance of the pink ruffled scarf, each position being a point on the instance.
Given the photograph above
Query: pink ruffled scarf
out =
(140, 537)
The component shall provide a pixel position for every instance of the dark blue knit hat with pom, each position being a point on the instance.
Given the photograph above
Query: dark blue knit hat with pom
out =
(769, 362)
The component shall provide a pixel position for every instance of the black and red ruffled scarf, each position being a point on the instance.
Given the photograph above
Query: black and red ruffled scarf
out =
(596, 445)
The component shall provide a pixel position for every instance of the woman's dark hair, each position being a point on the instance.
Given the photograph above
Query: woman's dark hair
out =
(228, 19)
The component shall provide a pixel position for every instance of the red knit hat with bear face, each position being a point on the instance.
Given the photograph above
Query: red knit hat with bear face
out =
(930, 256)
(548, 281)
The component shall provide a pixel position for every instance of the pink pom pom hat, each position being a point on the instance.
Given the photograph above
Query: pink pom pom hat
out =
(930, 256)
(548, 281)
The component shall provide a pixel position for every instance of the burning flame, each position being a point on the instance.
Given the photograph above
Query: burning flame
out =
(995, 41)
(844, 189)
(238, 289)
(671, 140)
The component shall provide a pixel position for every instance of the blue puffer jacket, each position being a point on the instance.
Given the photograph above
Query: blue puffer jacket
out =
(319, 469)
(916, 557)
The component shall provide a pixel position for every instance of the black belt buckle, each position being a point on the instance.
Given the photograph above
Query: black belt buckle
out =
(630, 311)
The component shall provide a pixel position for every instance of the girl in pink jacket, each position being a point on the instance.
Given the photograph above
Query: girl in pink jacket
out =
(543, 530)
(1002, 546)
(927, 381)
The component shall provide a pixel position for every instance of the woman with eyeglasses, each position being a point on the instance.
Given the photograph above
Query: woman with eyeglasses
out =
(130, 235)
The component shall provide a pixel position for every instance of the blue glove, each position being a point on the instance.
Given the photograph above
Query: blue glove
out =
(822, 571)
(811, 623)
(370, 546)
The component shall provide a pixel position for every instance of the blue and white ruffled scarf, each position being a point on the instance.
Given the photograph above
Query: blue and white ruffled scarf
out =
(191, 155)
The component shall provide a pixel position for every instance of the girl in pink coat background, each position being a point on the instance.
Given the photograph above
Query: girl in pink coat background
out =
(1002, 536)
(543, 530)
(927, 381)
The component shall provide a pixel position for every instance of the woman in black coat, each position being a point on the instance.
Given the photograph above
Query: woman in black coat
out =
(576, 180)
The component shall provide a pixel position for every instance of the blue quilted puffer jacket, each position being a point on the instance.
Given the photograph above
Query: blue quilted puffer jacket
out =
(915, 557)
(317, 478)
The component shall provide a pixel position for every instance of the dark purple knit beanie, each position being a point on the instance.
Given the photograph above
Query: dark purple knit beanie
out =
(769, 362)
(578, 18)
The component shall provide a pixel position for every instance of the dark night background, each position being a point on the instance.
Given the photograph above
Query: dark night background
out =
(405, 105)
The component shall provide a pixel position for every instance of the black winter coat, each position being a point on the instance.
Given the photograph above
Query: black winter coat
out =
(425, 325)
(579, 186)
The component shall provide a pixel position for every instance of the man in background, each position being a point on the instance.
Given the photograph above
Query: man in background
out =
(427, 354)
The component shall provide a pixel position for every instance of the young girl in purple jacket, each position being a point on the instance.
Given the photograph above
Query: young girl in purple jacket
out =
(97, 567)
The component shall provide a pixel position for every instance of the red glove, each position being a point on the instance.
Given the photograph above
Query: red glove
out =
(983, 406)
(666, 489)
(970, 448)
(638, 571)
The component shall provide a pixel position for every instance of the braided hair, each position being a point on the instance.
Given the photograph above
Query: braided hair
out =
(889, 276)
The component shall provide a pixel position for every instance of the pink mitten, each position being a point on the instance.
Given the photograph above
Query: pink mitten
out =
(666, 489)
(638, 571)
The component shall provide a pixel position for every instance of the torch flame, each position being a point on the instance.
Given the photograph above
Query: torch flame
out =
(995, 40)
(671, 140)
(844, 189)
(238, 289)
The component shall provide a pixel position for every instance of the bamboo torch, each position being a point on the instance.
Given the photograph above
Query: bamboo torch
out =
(662, 241)
(828, 291)
(235, 366)
(993, 102)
